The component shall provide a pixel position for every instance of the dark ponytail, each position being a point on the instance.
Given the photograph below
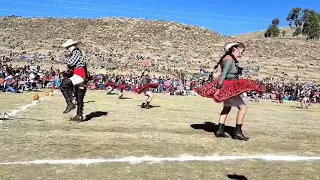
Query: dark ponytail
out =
(220, 61)
(228, 53)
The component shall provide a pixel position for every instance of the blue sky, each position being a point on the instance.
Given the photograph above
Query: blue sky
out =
(221, 16)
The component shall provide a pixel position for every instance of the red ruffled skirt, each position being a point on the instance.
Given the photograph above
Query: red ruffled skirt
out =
(110, 84)
(230, 88)
(114, 85)
(122, 87)
(144, 87)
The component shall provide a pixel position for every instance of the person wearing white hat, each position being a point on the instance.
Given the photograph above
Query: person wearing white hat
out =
(228, 88)
(76, 67)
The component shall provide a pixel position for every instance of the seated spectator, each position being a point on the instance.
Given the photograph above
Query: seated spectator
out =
(9, 80)
(2, 88)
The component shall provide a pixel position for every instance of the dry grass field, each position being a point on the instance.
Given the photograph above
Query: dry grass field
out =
(176, 126)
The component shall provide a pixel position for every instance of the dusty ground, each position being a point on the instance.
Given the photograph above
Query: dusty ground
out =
(10, 101)
(178, 126)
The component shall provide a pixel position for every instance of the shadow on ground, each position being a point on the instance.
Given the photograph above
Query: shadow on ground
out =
(88, 102)
(152, 106)
(212, 127)
(125, 98)
(236, 177)
(95, 114)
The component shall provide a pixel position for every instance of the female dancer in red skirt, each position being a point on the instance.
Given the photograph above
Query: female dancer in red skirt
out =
(110, 85)
(228, 88)
(146, 87)
(121, 85)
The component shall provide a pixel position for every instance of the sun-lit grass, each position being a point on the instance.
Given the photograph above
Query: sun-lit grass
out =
(11, 101)
(176, 126)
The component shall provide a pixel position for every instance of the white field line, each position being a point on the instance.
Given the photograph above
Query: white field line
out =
(149, 159)
(23, 108)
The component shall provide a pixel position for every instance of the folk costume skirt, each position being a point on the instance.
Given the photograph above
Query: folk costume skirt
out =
(230, 89)
(110, 84)
(145, 87)
(121, 87)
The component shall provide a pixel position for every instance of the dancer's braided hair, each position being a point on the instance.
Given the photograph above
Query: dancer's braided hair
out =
(228, 53)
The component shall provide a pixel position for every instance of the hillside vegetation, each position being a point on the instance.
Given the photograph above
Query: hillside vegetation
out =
(118, 44)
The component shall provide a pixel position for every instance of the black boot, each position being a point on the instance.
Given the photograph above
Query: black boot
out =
(70, 107)
(148, 106)
(143, 105)
(75, 96)
(80, 112)
(220, 133)
(79, 116)
(238, 133)
(67, 91)
(80, 96)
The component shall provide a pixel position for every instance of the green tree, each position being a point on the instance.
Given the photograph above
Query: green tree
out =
(267, 34)
(284, 33)
(297, 32)
(311, 25)
(294, 17)
(273, 30)
(305, 22)
(295, 20)
(275, 22)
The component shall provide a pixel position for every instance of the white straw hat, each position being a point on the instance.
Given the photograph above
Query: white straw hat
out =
(234, 44)
(69, 43)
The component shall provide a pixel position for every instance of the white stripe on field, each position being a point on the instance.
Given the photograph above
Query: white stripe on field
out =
(148, 159)
(15, 112)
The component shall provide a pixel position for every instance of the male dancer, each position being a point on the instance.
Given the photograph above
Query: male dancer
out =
(77, 80)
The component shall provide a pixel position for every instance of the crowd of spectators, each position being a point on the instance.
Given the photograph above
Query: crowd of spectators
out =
(33, 78)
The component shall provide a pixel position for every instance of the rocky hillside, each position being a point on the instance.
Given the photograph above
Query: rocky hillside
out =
(260, 34)
(124, 44)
